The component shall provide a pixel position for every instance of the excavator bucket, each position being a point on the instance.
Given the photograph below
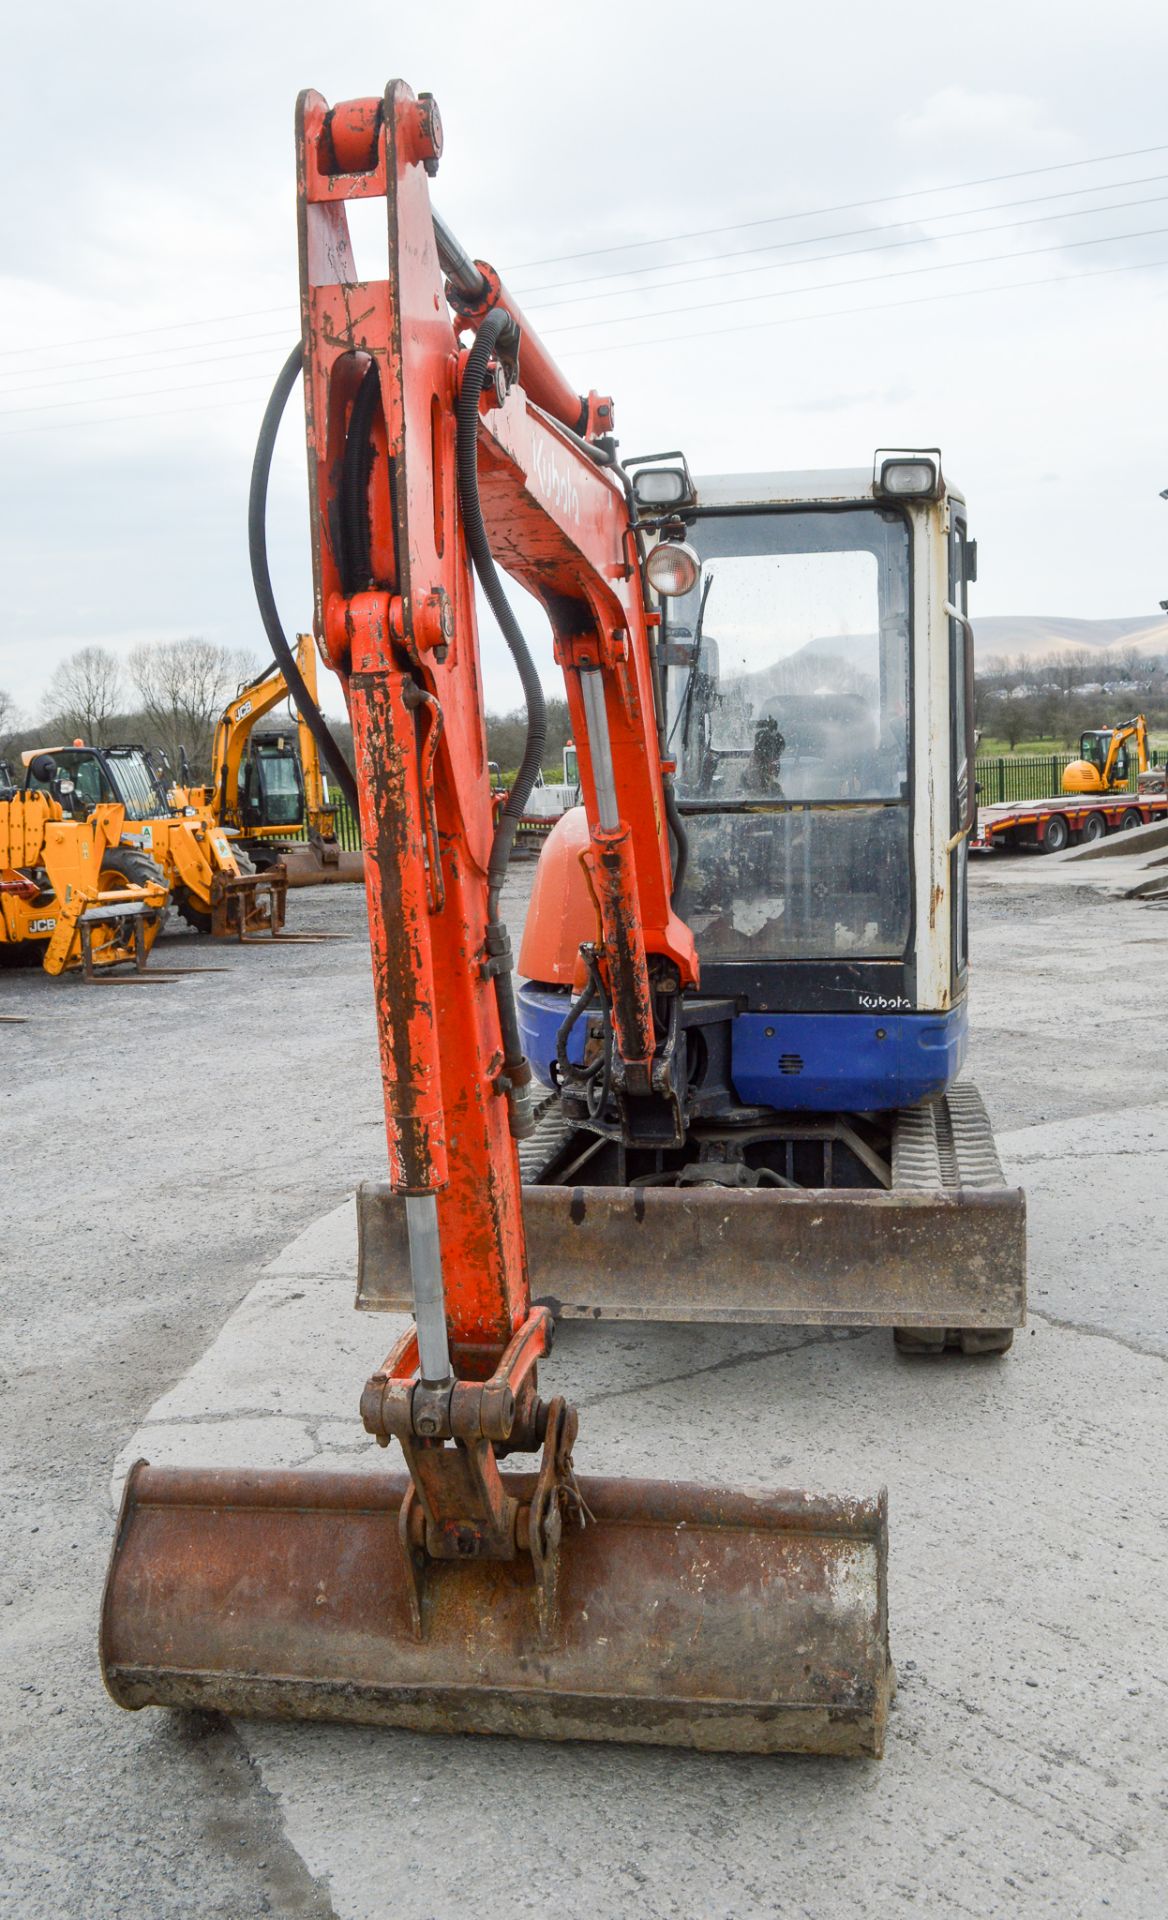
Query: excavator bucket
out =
(313, 863)
(682, 1616)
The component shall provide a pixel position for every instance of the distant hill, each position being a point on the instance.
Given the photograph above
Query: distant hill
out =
(1008, 636)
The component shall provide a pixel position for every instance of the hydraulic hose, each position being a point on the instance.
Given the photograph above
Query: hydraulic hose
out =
(516, 1068)
(356, 466)
(257, 540)
(493, 327)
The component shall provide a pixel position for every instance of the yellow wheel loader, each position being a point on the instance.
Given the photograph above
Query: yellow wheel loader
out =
(215, 890)
(65, 892)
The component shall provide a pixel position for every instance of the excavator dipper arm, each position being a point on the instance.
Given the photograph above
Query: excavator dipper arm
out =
(466, 1596)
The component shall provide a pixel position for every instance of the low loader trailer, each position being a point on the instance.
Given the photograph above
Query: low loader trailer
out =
(1066, 819)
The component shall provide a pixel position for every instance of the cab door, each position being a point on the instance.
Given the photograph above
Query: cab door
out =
(963, 798)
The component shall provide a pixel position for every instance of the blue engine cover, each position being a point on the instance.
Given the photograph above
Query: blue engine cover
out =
(800, 1062)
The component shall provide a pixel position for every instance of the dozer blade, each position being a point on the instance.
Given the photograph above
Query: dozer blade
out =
(725, 1621)
(839, 1256)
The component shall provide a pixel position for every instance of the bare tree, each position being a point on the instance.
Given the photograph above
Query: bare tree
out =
(9, 724)
(183, 686)
(85, 694)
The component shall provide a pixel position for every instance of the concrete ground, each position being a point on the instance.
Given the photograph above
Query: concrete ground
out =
(178, 1281)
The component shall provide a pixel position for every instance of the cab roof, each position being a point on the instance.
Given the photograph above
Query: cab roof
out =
(829, 486)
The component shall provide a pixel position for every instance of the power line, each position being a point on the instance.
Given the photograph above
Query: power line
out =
(880, 306)
(140, 333)
(147, 393)
(133, 368)
(845, 206)
(864, 280)
(134, 360)
(119, 419)
(625, 346)
(844, 233)
(853, 253)
(130, 373)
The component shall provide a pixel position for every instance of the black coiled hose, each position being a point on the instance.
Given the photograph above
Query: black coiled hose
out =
(257, 540)
(486, 340)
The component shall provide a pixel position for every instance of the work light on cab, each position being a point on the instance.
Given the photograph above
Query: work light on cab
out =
(673, 568)
(910, 477)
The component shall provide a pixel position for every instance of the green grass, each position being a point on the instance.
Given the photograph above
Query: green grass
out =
(990, 748)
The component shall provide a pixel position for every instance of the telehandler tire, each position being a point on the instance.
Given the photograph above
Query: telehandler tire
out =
(128, 867)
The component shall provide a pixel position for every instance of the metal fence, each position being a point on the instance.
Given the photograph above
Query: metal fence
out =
(1002, 777)
(1011, 776)
(348, 830)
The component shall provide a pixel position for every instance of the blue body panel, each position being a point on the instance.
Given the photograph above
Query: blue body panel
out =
(835, 1062)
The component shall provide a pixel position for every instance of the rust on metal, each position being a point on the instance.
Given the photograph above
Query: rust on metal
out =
(248, 906)
(684, 1616)
(838, 1256)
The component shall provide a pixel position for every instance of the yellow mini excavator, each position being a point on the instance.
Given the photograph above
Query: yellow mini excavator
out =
(1102, 766)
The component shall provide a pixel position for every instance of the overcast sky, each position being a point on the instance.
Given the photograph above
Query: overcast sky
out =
(150, 286)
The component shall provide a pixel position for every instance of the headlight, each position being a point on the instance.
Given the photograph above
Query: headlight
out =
(910, 477)
(672, 568)
(660, 487)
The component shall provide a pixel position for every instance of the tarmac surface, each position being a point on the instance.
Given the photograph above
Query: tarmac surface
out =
(178, 1281)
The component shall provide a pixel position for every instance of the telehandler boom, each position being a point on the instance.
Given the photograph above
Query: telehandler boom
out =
(460, 1596)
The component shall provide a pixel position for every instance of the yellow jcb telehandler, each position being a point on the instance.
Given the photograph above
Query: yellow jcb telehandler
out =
(214, 890)
(63, 890)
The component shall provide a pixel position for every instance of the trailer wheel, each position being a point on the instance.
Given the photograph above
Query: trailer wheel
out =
(1132, 818)
(1094, 828)
(1057, 834)
(968, 1340)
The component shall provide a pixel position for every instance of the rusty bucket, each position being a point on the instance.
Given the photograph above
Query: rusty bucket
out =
(720, 1620)
(310, 864)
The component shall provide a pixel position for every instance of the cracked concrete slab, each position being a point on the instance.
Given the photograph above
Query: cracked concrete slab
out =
(1027, 1563)
(1097, 1209)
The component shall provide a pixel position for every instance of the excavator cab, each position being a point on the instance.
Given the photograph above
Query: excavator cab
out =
(271, 784)
(817, 715)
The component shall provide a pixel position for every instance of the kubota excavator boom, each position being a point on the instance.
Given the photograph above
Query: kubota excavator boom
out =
(463, 1597)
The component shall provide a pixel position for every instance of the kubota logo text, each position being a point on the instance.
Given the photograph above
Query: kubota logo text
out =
(554, 482)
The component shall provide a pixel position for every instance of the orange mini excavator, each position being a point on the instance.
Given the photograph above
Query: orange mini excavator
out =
(442, 437)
